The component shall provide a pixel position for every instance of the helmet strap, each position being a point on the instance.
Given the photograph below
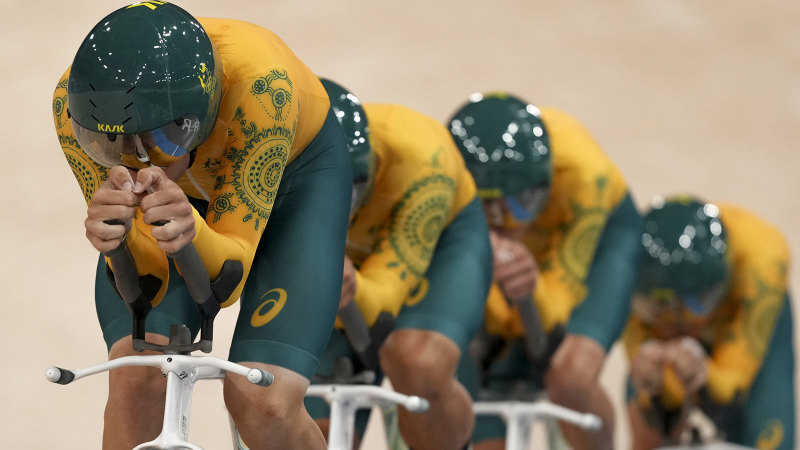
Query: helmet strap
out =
(192, 155)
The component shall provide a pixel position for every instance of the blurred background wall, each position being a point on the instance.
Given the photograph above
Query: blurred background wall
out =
(685, 96)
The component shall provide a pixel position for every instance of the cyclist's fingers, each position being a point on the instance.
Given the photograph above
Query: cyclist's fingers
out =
(691, 371)
(514, 267)
(168, 194)
(652, 350)
(103, 245)
(110, 213)
(103, 230)
(172, 228)
(179, 211)
(150, 179)
(178, 242)
(119, 179)
(114, 197)
(520, 287)
(348, 283)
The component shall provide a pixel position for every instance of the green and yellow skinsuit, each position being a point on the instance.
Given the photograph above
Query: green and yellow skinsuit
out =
(420, 243)
(586, 244)
(276, 154)
(748, 337)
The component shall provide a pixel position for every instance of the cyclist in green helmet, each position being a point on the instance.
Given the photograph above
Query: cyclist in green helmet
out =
(417, 265)
(564, 233)
(213, 129)
(711, 327)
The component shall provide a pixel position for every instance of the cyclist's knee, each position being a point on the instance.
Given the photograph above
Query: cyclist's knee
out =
(324, 425)
(420, 358)
(574, 371)
(270, 406)
(135, 383)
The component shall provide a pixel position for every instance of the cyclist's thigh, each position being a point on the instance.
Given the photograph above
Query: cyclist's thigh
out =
(291, 295)
(177, 307)
(603, 313)
(453, 294)
(768, 417)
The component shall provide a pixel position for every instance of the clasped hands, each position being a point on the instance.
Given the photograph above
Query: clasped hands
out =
(685, 355)
(161, 200)
(515, 270)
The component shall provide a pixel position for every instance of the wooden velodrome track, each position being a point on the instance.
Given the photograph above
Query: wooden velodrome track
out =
(684, 96)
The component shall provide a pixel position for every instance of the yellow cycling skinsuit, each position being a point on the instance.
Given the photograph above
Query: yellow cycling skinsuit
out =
(273, 131)
(587, 191)
(586, 244)
(748, 337)
(420, 242)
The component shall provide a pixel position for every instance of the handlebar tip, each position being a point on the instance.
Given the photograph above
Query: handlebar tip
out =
(59, 375)
(53, 374)
(260, 377)
(417, 404)
(592, 422)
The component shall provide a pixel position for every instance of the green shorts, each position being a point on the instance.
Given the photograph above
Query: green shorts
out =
(601, 316)
(768, 417)
(459, 278)
(295, 244)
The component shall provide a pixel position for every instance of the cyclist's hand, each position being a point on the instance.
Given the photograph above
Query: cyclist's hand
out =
(348, 284)
(112, 203)
(164, 202)
(647, 366)
(688, 358)
(515, 270)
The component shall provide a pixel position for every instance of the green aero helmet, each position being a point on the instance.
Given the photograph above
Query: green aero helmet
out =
(686, 254)
(350, 114)
(506, 148)
(144, 87)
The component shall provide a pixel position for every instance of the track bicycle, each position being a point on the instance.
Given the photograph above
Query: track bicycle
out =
(345, 400)
(520, 416)
(520, 412)
(346, 391)
(178, 365)
(700, 433)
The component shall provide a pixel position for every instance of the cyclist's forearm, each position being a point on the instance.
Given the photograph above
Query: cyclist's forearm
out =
(376, 292)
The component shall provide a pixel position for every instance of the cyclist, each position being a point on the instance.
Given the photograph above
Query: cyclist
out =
(711, 326)
(565, 236)
(216, 128)
(418, 250)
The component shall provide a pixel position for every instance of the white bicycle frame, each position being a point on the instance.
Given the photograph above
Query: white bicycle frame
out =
(182, 371)
(345, 400)
(519, 418)
(709, 438)
(176, 363)
(712, 446)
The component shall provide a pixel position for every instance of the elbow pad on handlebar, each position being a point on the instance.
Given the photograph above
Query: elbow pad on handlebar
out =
(378, 333)
(659, 416)
(149, 284)
(229, 278)
(724, 415)
(542, 365)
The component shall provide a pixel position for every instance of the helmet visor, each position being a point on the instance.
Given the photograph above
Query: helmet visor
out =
(657, 302)
(518, 210)
(526, 206)
(160, 147)
(703, 303)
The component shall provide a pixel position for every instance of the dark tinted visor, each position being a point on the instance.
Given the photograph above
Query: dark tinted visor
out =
(160, 147)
